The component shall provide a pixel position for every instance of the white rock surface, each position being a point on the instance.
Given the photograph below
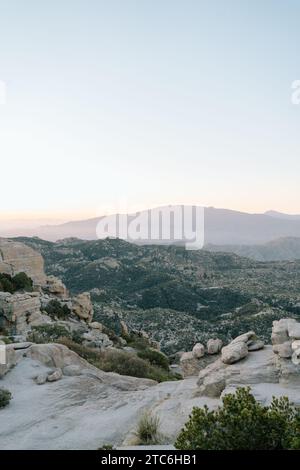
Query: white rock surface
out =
(85, 412)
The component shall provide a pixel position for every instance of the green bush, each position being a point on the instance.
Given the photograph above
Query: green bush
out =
(22, 282)
(55, 309)
(121, 362)
(48, 333)
(154, 357)
(148, 429)
(242, 424)
(5, 397)
(16, 283)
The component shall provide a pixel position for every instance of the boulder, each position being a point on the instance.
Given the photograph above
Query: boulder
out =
(41, 379)
(198, 350)
(284, 349)
(296, 357)
(56, 287)
(55, 375)
(214, 346)
(234, 352)
(96, 325)
(261, 367)
(296, 345)
(83, 307)
(280, 331)
(294, 330)
(189, 364)
(95, 339)
(244, 338)
(255, 345)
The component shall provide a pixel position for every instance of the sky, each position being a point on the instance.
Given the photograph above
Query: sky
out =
(127, 104)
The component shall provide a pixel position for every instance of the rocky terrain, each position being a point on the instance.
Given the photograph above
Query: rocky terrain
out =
(64, 397)
(178, 297)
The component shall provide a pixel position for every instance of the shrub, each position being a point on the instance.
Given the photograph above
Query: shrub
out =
(5, 397)
(6, 284)
(13, 284)
(57, 310)
(48, 333)
(121, 362)
(22, 282)
(242, 423)
(154, 357)
(148, 429)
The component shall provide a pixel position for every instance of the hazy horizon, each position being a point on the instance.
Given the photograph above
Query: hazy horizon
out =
(129, 105)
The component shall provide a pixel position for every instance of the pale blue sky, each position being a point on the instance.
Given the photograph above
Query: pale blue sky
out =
(123, 103)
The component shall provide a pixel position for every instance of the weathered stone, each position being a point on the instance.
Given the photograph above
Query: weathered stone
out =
(256, 345)
(19, 311)
(96, 325)
(284, 349)
(296, 345)
(95, 338)
(244, 338)
(7, 354)
(189, 364)
(56, 287)
(15, 257)
(24, 345)
(294, 330)
(296, 357)
(72, 370)
(54, 376)
(280, 331)
(198, 350)
(41, 379)
(83, 307)
(214, 346)
(124, 328)
(234, 352)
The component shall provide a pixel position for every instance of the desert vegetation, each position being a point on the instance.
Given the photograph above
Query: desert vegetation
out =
(242, 423)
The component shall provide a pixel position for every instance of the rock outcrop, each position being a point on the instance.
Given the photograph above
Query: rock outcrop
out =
(16, 257)
(286, 339)
(267, 365)
(18, 312)
(56, 287)
(240, 346)
(82, 307)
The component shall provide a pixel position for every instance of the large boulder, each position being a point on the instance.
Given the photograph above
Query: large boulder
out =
(82, 307)
(284, 349)
(198, 350)
(214, 346)
(234, 352)
(189, 364)
(245, 338)
(56, 287)
(15, 257)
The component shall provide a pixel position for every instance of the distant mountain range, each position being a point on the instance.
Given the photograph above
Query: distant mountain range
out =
(282, 249)
(222, 227)
(281, 215)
